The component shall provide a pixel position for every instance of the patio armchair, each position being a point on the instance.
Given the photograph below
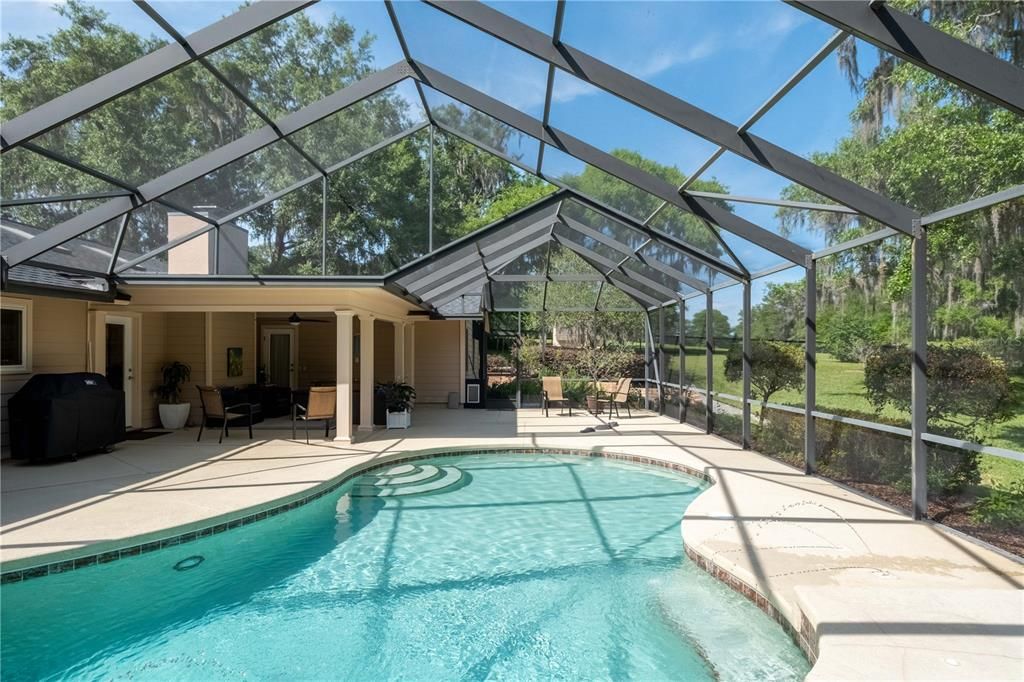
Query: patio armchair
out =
(212, 402)
(321, 405)
(552, 393)
(621, 397)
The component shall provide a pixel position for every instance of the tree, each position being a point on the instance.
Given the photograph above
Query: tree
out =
(773, 367)
(376, 208)
(851, 335)
(929, 144)
(967, 388)
(780, 315)
(720, 326)
(639, 205)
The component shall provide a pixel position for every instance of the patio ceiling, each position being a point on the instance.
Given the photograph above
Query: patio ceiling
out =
(573, 250)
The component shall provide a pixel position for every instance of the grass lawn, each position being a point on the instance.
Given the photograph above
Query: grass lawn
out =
(841, 387)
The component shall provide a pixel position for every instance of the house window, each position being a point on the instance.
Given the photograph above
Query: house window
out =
(15, 340)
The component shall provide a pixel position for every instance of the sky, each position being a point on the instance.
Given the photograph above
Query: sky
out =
(725, 57)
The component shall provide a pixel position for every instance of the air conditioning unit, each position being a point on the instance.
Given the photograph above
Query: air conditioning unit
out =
(472, 394)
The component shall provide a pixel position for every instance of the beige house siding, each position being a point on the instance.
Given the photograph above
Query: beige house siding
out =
(153, 357)
(383, 351)
(438, 363)
(317, 353)
(185, 341)
(59, 344)
(233, 330)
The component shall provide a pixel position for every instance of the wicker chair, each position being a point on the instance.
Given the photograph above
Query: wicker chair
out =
(321, 405)
(553, 394)
(213, 408)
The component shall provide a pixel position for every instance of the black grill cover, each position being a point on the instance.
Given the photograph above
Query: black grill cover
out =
(63, 415)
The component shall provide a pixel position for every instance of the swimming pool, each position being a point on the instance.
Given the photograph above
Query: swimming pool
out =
(469, 567)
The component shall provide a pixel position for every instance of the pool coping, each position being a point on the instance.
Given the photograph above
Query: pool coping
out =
(803, 635)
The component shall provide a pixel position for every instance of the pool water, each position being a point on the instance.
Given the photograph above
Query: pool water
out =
(470, 567)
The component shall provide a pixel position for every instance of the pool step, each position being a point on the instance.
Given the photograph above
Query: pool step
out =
(449, 477)
(426, 473)
(410, 479)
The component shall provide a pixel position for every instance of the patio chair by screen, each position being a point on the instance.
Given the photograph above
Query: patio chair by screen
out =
(553, 394)
(621, 397)
(213, 408)
(321, 404)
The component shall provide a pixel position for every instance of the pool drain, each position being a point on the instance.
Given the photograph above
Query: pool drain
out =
(189, 563)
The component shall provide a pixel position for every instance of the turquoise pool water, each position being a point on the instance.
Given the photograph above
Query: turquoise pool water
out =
(471, 567)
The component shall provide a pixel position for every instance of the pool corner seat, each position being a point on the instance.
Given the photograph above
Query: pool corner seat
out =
(552, 393)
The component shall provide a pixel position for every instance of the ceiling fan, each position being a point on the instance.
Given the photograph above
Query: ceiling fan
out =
(294, 320)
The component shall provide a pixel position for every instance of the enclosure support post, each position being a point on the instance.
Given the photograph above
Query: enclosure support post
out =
(323, 228)
(343, 370)
(647, 361)
(366, 384)
(660, 355)
(810, 364)
(430, 194)
(747, 360)
(216, 250)
(919, 369)
(709, 360)
(682, 360)
(519, 362)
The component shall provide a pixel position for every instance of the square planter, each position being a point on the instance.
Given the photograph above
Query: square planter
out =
(399, 420)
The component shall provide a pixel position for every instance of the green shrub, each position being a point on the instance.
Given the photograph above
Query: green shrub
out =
(773, 367)
(503, 390)
(951, 471)
(602, 364)
(851, 336)
(852, 453)
(576, 389)
(531, 387)
(967, 388)
(1002, 508)
(782, 437)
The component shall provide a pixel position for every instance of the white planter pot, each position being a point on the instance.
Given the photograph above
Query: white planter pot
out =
(399, 420)
(174, 416)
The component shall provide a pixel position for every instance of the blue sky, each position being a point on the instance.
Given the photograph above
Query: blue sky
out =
(725, 57)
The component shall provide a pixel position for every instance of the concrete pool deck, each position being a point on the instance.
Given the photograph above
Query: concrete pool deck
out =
(877, 595)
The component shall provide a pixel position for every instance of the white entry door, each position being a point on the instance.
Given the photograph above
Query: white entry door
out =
(120, 354)
(279, 356)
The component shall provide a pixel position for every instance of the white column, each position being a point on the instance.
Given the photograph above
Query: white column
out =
(410, 353)
(343, 371)
(462, 362)
(208, 348)
(400, 352)
(366, 372)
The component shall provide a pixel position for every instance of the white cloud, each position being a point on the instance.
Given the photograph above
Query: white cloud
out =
(569, 88)
(781, 23)
(663, 60)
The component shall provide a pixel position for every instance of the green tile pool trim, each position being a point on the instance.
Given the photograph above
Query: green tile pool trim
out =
(804, 637)
(243, 517)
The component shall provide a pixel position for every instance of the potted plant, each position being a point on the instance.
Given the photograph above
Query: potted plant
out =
(173, 412)
(397, 399)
